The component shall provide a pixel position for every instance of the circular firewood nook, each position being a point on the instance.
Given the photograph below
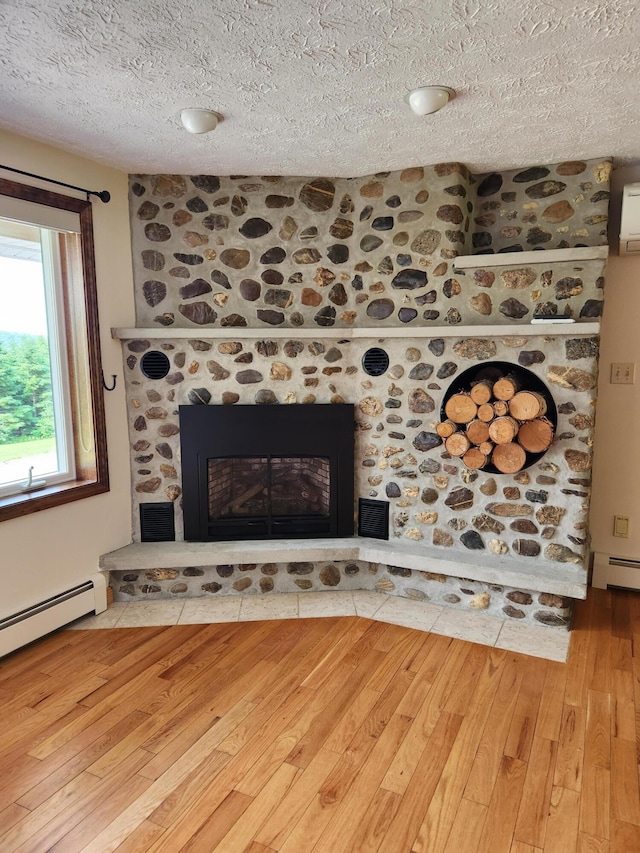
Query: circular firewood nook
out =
(499, 417)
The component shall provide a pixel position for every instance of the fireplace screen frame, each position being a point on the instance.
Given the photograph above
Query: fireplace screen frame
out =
(319, 430)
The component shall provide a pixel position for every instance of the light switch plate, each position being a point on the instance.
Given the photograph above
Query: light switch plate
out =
(623, 373)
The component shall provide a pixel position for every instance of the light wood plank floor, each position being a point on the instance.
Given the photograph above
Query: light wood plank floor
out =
(337, 734)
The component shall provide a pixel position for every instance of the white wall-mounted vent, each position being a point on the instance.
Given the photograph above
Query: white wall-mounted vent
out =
(630, 220)
(615, 571)
(33, 622)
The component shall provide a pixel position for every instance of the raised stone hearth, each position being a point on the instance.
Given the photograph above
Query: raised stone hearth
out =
(192, 569)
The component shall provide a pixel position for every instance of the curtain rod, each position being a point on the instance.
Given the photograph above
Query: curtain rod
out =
(104, 195)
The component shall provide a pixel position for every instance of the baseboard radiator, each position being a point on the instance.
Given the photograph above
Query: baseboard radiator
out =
(33, 622)
(615, 571)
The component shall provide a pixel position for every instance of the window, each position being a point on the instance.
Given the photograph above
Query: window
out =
(52, 428)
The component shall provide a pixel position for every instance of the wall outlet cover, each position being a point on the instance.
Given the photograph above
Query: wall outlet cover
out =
(621, 525)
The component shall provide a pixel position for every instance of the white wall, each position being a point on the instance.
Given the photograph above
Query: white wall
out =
(47, 551)
(616, 472)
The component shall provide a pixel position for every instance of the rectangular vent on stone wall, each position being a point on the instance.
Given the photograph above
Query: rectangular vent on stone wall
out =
(373, 518)
(157, 522)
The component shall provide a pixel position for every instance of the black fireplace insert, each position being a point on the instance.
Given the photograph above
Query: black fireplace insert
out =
(261, 472)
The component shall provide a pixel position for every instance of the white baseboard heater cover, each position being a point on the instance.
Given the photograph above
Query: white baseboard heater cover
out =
(615, 571)
(34, 622)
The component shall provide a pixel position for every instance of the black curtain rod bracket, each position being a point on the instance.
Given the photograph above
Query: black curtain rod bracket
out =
(103, 195)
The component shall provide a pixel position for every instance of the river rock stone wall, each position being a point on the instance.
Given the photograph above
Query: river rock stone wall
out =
(263, 253)
(525, 606)
(266, 252)
(537, 514)
(543, 207)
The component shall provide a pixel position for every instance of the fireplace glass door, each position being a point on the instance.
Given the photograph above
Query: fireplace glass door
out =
(258, 496)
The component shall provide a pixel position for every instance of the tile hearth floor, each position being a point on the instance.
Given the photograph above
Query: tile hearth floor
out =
(550, 643)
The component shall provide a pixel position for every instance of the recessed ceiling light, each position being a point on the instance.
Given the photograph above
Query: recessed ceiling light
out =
(199, 121)
(429, 99)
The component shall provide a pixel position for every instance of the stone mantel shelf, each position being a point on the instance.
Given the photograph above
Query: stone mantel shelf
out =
(342, 334)
(560, 578)
(546, 256)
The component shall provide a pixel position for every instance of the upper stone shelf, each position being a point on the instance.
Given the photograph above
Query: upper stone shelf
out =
(344, 334)
(548, 256)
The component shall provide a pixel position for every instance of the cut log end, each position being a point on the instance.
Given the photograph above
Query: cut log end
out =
(503, 430)
(457, 444)
(446, 428)
(509, 458)
(474, 458)
(486, 413)
(536, 436)
(478, 431)
(460, 408)
(505, 388)
(527, 405)
(482, 391)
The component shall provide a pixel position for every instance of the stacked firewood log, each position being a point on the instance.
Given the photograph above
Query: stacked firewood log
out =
(498, 422)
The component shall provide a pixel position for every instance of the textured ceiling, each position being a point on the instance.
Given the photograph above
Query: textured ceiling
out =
(310, 87)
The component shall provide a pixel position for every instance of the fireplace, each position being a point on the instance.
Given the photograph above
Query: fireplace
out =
(260, 472)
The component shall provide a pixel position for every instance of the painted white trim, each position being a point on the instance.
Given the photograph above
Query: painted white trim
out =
(40, 215)
(605, 574)
(54, 296)
(50, 615)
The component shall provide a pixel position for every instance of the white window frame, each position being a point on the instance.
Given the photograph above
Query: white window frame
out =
(59, 365)
(60, 386)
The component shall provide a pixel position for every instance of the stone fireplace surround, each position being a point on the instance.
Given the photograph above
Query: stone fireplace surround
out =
(512, 546)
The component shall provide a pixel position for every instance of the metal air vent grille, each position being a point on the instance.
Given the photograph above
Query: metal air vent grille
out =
(154, 364)
(375, 361)
(157, 522)
(373, 518)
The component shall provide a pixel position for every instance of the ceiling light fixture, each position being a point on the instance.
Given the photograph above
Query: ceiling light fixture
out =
(429, 99)
(199, 121)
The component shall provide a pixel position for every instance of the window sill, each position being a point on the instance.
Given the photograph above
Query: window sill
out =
(15, 506)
